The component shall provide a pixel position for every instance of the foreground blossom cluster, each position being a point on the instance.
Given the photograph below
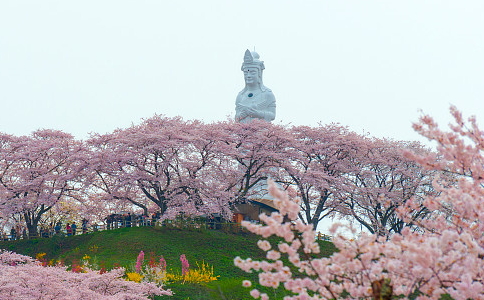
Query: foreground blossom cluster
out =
(22, 277)
(443, 254)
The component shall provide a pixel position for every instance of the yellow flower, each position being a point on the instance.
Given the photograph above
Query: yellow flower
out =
(133, 276)
(94, 248)
(203, 273)
(40, 256)
(173, 277)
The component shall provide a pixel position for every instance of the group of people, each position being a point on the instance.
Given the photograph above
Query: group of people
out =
(70, 228)
(47, 231)
(114, 221)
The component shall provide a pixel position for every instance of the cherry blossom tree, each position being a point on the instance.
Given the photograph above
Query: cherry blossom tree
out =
(316, 164)
(163, 161)
(176, 166)
(337, 172)
(459, 205)
(253, 151)
(444, 257)
(37, 172)
(108, 187)
(382, 180)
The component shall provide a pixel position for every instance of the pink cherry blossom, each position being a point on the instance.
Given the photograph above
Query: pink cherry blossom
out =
(444, 256)
(246, 283)
(22, 277)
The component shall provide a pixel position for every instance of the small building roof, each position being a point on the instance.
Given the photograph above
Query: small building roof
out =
(265, 202)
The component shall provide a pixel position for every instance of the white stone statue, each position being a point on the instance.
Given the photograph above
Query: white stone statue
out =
(255, 101)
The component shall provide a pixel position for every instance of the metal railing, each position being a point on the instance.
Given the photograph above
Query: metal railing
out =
(224, 226)
(229, 227)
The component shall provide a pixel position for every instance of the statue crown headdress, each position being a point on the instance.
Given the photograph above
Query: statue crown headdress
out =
(251, 59)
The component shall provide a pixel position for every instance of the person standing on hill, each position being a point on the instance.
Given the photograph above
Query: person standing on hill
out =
(13, 234)
(58, 227)
(84, 226)
(73, 228)
(128, 220)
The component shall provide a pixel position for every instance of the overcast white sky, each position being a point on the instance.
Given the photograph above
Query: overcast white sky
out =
(93, 66)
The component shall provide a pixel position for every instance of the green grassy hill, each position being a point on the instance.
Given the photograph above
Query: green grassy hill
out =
(122, 246)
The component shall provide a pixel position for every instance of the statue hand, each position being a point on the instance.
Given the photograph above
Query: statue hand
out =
(255, 113)
(243, 114)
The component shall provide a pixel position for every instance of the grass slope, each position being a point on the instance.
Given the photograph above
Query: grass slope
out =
(121, 247)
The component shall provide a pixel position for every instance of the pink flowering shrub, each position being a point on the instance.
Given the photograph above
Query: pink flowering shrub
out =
(156, 272)
(139, 261)
(185, 264)
(153, 271)
(21, 277)
(162, 264)
(445, 256)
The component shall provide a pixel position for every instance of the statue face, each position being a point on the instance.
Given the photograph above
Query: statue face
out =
(251, 76)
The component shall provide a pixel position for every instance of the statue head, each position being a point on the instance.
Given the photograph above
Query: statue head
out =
(252, 68)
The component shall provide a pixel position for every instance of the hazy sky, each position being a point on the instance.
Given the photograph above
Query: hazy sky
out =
(93, 66)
